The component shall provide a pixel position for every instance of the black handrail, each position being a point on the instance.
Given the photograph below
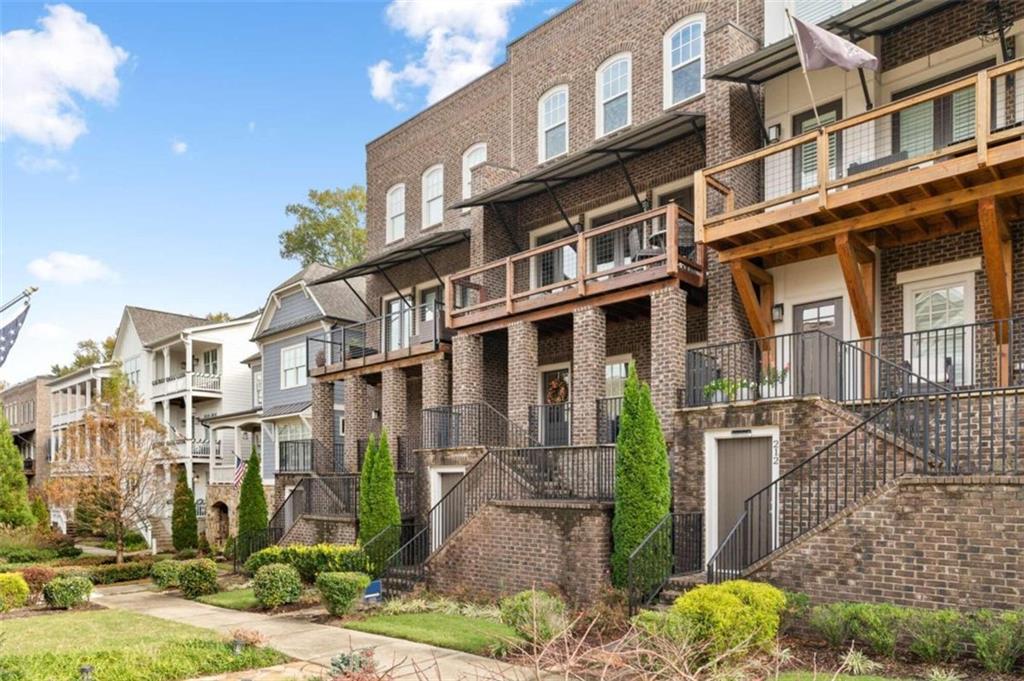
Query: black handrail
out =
(675, 545)
(295, 456)
(475, 424)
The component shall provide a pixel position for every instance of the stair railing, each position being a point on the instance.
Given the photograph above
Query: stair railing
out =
(675, 545)
(476, 424)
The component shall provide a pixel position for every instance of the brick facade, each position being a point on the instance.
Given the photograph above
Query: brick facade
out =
(668, 360)
(522, 372)
(27, 406)
(222, 511)
(437, 382)
(468, 367)
(393, 405)
(588, 372)
(357, 418)
(322, 427)
(309, 530)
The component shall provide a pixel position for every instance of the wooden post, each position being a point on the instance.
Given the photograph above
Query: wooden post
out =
(822, 168)
(672, 239)
(510, 282)
(996, 247)
(581, 264)
(700, 205)
(449, 303)
(982, 113)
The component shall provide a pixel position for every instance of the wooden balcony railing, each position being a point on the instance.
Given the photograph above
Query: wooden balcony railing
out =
(936, 151)
(656, 244)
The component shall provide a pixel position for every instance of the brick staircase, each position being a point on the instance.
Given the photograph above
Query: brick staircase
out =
(161, 535)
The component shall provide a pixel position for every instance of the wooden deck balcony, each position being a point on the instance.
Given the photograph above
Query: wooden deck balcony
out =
(622, 260)
(912, 170)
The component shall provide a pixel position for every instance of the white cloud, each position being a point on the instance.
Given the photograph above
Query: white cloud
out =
(70, 268)
(461, 41)
(178, 147)
(45, 71)
(37, 165)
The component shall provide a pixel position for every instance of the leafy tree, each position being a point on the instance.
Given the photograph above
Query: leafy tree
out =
(184, 526)
(642, 488)
(87, 353)
(252, 503)
(14, 507)
(218, 317)
(39, 510)
(378, 500)
(329, 229)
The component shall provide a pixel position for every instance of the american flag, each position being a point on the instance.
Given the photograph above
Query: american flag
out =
(9, 334)
(240, 467)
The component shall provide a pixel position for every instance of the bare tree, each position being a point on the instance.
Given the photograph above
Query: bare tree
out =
(110, 461)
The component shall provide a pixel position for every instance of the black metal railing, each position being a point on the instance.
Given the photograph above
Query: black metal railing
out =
(551, 424)
(403, 458)
(675, 545)
(295, 456)
(30, 465)
(470, 425)
(339, 454)
(609, 410)
(583, 473)
(963, 433)
(379, 339)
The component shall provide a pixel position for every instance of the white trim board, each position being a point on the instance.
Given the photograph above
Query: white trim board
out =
(937, 271)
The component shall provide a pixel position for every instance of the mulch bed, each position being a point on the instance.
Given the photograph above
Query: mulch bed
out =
(37, 610)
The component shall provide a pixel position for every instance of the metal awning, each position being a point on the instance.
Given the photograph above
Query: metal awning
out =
(867, 18)
(636, 140)
(405, 252)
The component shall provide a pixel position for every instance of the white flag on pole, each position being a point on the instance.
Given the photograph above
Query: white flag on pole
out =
(820, 49)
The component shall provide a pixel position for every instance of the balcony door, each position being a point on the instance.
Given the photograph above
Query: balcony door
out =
(554, 266)
(613, 249)
(553, 413)
(818, 355)
(397, 323)
(805, 157)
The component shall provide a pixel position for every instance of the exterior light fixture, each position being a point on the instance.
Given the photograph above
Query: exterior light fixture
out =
(774, 133)
(777, 312)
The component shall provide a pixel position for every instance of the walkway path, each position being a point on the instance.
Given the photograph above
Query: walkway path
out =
(308, 642)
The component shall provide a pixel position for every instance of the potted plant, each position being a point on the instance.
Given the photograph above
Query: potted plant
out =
(773, 380)
(727, 390)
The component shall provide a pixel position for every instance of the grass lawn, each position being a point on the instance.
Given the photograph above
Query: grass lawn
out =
(823, 676)
(470, 635)
(121, 646)
(238, 599)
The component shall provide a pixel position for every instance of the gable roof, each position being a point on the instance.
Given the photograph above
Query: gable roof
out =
(334, 300)
(155, 325)
(310, 273)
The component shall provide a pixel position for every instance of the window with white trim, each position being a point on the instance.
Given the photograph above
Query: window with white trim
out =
(257, 387)
(210, 364)
(293, 430)
(132, 371)
(936, 313)
(293, 366)
(614, 94)
(683, 50)
(553, 123)
(433, 196)
(474, 156)
(395, 222)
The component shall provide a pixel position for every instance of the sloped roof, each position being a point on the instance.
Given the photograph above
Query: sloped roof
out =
(155, 325)
(337, 300)
(309, 274)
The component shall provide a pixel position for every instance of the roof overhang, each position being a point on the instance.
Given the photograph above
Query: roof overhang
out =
(400, 254)
(865, 19)
(634, 141)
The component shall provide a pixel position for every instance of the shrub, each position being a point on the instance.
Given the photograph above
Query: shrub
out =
(341, 590)
(536, 615)
(935, 635)
(184, 525)
(877, 626)
(14, 591)
(40, 512)
(276, 585)
(310, 561)
(832, 622)
(798, 605)
(165, 573)
(761, 597)
(37, 577)
(859, 664)
(14, 507)
(133, 541)
(664, 624)
(198, 578)
(186, 554)
(125, 572)
(378, 500)
(730, 617)
(67, 591)
(999, 640)
(28, 555)
(252, 503)
(229, 548)
(642, 488)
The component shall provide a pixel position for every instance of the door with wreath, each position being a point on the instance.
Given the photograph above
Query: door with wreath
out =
(553, 419)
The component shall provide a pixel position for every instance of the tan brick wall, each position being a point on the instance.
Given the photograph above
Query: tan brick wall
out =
(668, 355)
(522, 372)
(437, 382)
(357, 418)
(393, 406)
(309, 530)
(588, 372)
(467, 368)
(322, 427)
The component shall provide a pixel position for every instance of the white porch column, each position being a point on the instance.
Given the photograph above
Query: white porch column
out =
(88, 393)
(238, 445)
(188, 391)
(167, 363)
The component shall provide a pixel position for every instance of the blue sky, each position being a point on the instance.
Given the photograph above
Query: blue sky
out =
(149, 149)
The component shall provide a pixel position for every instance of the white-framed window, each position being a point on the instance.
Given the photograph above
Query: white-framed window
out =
(474, 156)
(683, 51)
(395, 228)
(433, 196)
(616, 369)
(553, 123)
(293, 366)
(257, 387)
(614, 94)
(936, 313)
(132, 371)
(397, 322)
(210, 364)
(293, 430)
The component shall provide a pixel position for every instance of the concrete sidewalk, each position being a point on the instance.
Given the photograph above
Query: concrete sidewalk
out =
(307, 642)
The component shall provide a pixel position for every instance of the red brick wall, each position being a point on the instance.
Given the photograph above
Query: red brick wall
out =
(309, 530)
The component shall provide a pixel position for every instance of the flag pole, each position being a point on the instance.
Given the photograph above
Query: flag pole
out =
(803, 67)
(26, 294)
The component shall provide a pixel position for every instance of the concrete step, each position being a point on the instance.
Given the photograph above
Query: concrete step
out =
(677, 585)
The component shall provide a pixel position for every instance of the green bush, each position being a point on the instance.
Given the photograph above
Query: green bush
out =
(832, 622)
(28, 555)
(798, 606)
(731, 616)
(165, 573)
(663, 624)
(340, 591)
(877, 626)
(276, 584)
(536, 615)
(39, 510)
(935, 635)
(133, 541)
(14, 591)
(999, 639)
(310, 561)
(378, 500)
(67, 591)
(252, 503)
(125, 572)
(198, 578)
(184, 525)
(642, 488)
(14, 507)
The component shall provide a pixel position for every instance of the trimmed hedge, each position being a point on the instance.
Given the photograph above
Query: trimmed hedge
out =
(340, 591)
(310, 561)
(14, 592)
(37, 577)
(276, 584)
(67, 591)
(536, 615)
(125, 572)
(198, 578)
(165, 573)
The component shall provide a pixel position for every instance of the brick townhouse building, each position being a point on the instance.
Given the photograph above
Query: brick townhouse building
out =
(27, 410)
(821, 295)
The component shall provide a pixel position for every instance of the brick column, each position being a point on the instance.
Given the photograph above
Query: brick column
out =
(467, 369)
(357, 418)
(588, 361)
(323, 427)
(522, 372)
(393, 406)
(437, 382)
(668, 351)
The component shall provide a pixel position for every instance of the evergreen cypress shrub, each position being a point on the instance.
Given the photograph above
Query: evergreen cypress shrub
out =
(184, 525)
(41, 513)
(378, 500)
(642, 488)
(14, 507)
(252, 506)
(14, 591)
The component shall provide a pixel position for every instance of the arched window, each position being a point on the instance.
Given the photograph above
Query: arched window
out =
(614, 108)
(684, 60)
(474, 156)
(433, 196)
(553, 123)
(395, 228)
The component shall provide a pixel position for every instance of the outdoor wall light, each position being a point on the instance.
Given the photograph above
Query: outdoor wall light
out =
(774, 133)
(777, 312)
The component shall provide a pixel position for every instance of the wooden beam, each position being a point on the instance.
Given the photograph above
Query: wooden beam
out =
(924, 207)
(759, 323)
(757, 274)
(996, 247)
(858, 265)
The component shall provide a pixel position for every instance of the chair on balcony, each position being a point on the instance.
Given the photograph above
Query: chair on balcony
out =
(638, 250)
